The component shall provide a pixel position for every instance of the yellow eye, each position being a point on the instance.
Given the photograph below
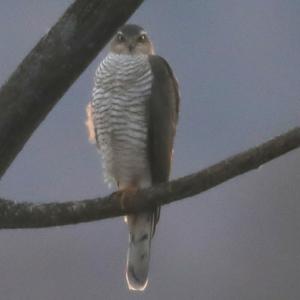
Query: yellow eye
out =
(120, 37)
(142, 38)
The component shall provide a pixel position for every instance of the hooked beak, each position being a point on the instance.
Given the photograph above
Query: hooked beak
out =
(131, 47)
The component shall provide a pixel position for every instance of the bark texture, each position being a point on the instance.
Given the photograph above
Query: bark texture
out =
(31, 215)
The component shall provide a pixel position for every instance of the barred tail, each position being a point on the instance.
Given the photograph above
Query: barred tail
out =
(138, 256)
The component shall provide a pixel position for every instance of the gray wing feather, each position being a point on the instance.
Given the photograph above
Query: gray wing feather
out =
(163, 115)
(163, 109)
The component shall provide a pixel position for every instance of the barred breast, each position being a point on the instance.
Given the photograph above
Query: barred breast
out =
(122, 87)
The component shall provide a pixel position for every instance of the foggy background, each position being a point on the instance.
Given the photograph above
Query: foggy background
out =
(238, 66)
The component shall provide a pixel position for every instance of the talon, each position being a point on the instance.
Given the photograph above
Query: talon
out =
(125, 195)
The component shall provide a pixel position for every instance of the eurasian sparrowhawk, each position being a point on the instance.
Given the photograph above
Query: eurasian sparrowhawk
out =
(132, 119)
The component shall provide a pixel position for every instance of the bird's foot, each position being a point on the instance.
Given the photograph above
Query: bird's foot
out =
(126, 194)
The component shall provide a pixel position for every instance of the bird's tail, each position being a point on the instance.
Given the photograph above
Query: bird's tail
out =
(140, 233)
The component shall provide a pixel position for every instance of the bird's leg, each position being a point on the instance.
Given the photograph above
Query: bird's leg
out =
(126, 193)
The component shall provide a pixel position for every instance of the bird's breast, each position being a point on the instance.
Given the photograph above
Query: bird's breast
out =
(122, 87)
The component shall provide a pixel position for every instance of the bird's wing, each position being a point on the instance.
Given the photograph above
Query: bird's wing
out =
(163, 115)
(163, 108)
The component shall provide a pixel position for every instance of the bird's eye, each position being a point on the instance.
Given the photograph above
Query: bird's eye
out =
(120, 37)
(142, 38)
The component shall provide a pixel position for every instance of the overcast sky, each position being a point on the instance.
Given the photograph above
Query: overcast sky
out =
(238, 66)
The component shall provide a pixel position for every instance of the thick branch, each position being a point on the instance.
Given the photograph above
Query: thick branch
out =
(52, 66)
(28, 215)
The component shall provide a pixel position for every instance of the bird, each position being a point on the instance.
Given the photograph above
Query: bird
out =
(132, 118)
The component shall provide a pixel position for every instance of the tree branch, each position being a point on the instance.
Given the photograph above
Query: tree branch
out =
(52, 66)
(30, 215)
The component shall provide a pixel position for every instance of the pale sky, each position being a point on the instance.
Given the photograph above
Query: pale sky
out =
(237, 63)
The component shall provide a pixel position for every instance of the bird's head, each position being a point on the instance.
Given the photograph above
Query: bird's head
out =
(131, 40)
